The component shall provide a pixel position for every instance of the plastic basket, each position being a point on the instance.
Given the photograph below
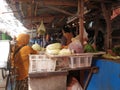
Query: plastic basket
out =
(80, 61)
(41, 63)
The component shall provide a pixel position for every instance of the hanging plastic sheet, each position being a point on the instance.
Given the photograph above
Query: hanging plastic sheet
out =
(115, 13)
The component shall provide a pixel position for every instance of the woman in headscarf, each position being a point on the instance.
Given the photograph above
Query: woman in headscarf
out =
(21, 61)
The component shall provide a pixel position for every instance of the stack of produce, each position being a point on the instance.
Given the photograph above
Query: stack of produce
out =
(109, 56)
(65, 51)
(56, 49)
(89, 48)
(113, 53)
(36, 47)
(116, 50)
(53, 49)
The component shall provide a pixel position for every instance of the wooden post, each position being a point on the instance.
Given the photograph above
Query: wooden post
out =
(81, 21)
(107, 15)
(81, 31)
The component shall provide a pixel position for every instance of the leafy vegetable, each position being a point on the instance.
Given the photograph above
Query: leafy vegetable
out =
(89, 48)
(36, 47)
(65, 52)
(116, 50)
(54, 46)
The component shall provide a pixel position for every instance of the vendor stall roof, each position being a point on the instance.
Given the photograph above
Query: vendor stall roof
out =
(55, 13)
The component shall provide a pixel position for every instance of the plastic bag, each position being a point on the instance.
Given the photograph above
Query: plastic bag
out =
(76, 46)
(41, 29)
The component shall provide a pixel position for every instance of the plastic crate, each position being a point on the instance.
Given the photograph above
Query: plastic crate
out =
(41, 63)
(80, 61)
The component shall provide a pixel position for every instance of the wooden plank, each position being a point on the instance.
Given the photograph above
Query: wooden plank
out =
(47, 74)
(77, 55)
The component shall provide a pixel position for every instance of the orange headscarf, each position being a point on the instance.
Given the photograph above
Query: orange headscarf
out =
(23, 39)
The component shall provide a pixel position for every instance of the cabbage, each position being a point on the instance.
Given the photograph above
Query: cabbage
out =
(89, 48)
(64, 52)
(53, 52)
(54, 46)
(36, 47)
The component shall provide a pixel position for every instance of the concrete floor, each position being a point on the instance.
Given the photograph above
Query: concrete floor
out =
(2, 82)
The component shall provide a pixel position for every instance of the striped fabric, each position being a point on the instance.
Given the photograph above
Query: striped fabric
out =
(22, 84)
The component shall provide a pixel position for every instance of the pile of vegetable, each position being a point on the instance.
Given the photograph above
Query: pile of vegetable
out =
(113, 53)
(53, 49)
(56, 49)
(109, 56)
(36, 47)
(64, 51)
(116, 50)
(89, 48)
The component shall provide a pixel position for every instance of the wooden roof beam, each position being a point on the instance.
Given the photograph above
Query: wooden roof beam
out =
(61, 11)
(51, 2)
(105, 1)
(45, 18)
(116, 5)
(39, 19)
(57, 3)
(22, 0)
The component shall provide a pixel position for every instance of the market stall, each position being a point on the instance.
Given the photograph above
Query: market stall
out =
(50, 68)
(44, 66)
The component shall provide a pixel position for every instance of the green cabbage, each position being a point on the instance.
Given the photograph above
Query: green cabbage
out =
(89, 48)
(54, 46)
(53, 52)
(65, 52)
(36, 47)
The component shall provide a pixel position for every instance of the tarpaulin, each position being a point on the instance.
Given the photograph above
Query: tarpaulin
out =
(115, 13)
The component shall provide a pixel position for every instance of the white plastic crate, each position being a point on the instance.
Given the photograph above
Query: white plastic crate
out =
(80, 61)
(41, 63)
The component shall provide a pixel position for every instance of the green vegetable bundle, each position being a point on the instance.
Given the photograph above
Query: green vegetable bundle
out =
(89, 48)
(116, 50)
